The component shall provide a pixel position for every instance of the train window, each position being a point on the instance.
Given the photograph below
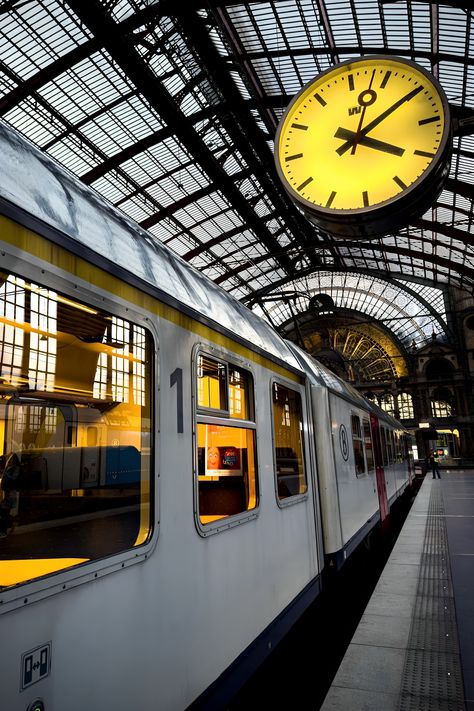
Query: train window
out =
(369, 450)
(75, 432)
(383, 432)
(392, 452)
(239, 394)
(357, 445)
(227, 482)
(211, 384)
(399, 456)
(288, 434)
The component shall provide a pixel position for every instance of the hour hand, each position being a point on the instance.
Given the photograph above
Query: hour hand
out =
(352, 138)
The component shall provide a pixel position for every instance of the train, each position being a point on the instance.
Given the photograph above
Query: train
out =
(176, 478)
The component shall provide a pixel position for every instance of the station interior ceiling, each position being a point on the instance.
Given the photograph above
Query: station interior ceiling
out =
(169, 110)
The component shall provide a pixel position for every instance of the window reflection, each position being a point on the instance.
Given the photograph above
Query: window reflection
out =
(357, 444)
(75, 432)
(288, 435)
(405, 406)
(227, 482)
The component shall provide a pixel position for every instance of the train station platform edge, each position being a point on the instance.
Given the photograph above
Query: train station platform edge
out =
(414, 647)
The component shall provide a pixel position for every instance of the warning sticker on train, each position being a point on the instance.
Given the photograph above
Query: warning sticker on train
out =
(35, 665)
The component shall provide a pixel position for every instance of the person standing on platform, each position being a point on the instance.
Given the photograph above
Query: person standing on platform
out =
(435, 465)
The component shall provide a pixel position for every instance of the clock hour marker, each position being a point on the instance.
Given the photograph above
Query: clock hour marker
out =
(385, 79)
(400, 182)
(350, 79)
(425, 154)
(428, 120)
(294, 157)
(320, 99)
(300, 126)
(303, 185)
(331, 198)
(365, 198)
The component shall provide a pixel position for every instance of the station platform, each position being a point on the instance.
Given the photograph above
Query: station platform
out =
(414, 647)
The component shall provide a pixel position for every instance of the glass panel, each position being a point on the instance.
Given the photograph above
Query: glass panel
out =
(369, 451)
(75, 432)
(405, 406)
(400, 448)
(239, 394)
(441, 408)
(385, 445)
(390, 447)
(357, 445)
(227, 478)
(387, 403)
(288, 431)
(211, 383)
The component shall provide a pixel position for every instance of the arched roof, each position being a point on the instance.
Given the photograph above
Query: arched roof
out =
(170, 109)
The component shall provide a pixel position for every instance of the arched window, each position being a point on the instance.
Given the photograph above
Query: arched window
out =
(405, 406)
(441, 402)
(387, 403)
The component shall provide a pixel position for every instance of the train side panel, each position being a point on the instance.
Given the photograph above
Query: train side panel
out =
(359, 508)
(166, 628)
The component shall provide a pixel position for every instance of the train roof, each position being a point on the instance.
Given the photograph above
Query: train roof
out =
(38, 192)
(323, 376)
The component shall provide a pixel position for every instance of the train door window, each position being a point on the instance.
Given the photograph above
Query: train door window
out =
(390, 447)
(212, 384)
(288, 441)
(383, 433)
(377, 440)
(358, 446)
(368, 445)
(227, 482)
(75, 432)
(397, 448)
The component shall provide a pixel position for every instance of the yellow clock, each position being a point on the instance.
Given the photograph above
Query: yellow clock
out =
(366, 146)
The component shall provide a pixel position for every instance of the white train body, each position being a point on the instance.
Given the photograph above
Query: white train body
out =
(183, 608)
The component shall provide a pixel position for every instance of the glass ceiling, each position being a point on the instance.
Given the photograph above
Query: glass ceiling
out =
(411, 316)
(170, 109)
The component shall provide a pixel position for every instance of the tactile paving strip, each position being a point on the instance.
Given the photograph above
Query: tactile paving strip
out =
(432, 677)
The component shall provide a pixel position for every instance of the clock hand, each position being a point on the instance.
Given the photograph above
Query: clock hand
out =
(369, 142)
(364, 105)
(350, 143)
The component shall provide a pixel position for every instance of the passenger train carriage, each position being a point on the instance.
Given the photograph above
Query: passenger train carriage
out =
(174, 476)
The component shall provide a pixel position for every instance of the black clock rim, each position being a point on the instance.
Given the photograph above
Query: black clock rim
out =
(384, 221)
(442, 155)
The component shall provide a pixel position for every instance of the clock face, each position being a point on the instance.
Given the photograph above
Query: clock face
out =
(362, 134)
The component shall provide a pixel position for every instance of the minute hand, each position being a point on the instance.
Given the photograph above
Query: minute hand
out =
(348, 144)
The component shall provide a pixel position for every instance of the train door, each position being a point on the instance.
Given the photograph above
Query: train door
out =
(379, 468)
(408, 456)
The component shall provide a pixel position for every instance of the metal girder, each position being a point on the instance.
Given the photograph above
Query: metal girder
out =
(323, 14)
(241, 124)
(127, 153)
(69, 60)
(461, 188)
(169, 211)
(357, 51)
(265, 291)
(212, 243)
(447, 230)
(122, 49)
(422, 256)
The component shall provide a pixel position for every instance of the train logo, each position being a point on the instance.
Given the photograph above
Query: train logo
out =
(343, 441)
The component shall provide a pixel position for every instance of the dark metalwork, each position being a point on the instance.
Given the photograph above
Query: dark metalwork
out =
(170, 112)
